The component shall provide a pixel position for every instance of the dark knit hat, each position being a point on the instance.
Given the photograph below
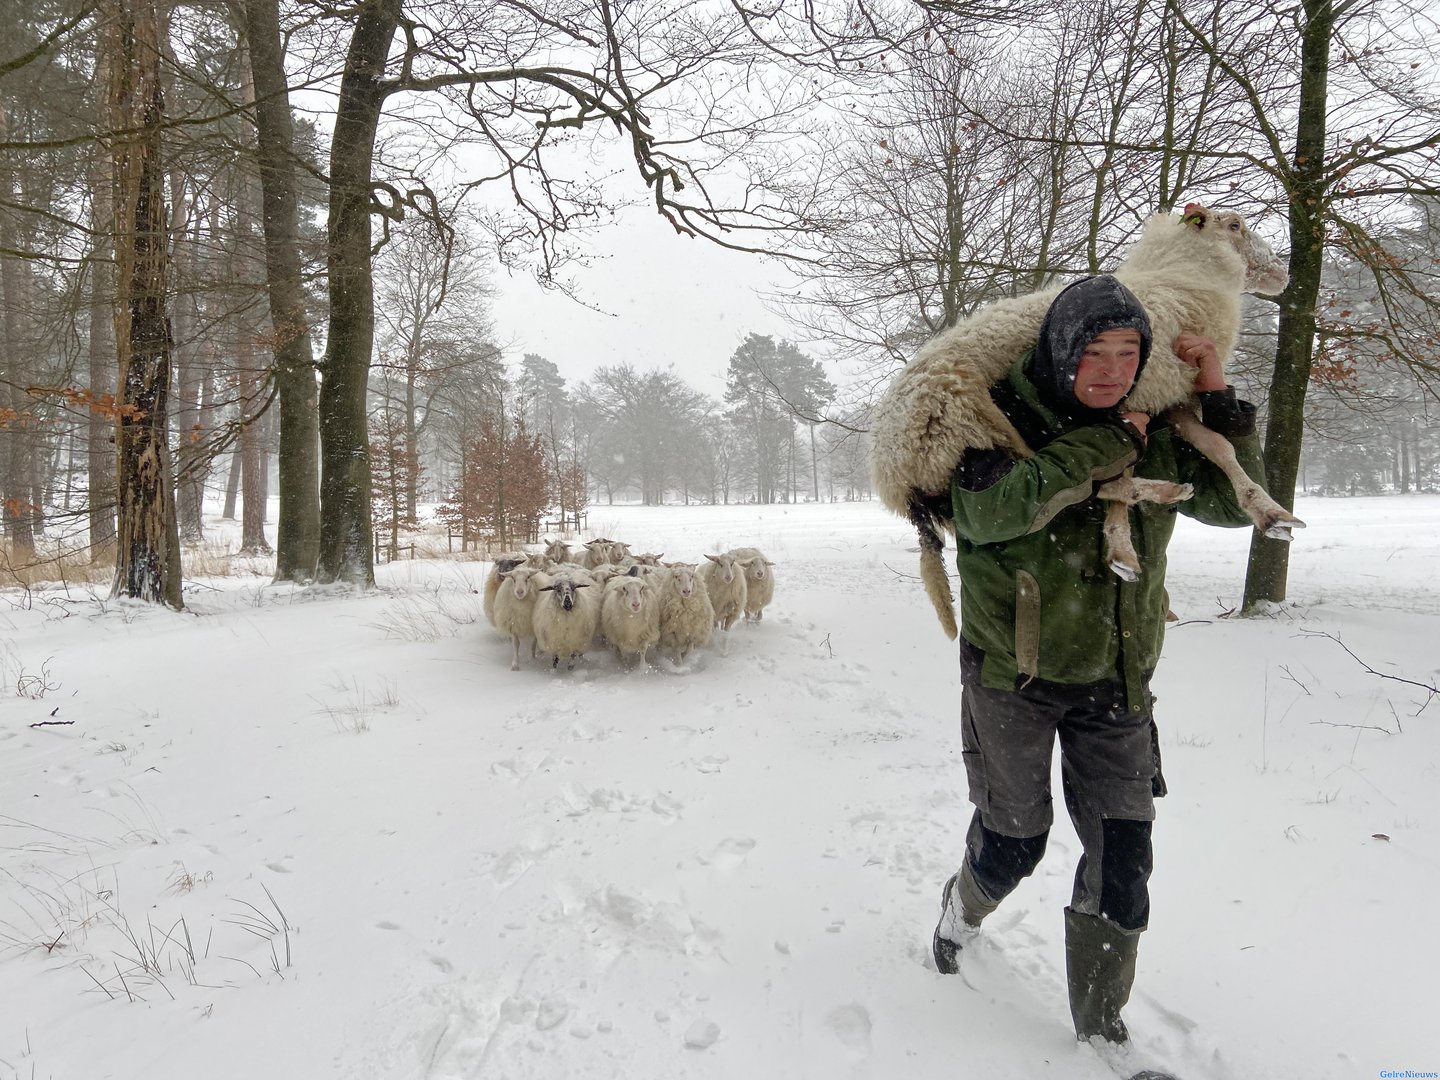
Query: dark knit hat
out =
(1082, 312)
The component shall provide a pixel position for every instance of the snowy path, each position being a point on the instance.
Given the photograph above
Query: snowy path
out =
(395, 858)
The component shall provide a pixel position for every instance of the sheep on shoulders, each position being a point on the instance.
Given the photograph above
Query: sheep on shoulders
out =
(686, 618)
(630, 617)
(759, 581)
(1188, 272)
(566, 618)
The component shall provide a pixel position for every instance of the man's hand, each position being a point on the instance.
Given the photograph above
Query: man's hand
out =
(1137, 420)
(1202, 355)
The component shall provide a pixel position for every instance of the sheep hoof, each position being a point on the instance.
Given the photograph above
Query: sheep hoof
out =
(1124, 571)
(1282, 530)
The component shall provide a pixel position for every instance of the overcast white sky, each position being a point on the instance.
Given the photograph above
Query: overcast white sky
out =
(662, 299)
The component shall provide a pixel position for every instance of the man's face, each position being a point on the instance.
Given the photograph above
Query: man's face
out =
(1107, 369)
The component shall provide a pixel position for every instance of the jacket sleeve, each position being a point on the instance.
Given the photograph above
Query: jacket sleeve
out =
(1214, 502)
(995, 497)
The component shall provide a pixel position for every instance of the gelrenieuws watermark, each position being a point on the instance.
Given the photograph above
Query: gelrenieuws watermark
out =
(1408, 1074)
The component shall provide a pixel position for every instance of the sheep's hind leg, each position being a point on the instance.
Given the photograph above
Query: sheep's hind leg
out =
(1269, 517)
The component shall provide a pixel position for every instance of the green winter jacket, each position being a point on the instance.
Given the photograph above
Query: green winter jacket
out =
(1036, 594)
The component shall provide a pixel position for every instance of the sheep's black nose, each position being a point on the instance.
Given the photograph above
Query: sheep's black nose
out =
(568, 603)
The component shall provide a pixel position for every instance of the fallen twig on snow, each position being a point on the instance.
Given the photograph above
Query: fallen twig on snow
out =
(1431, 690)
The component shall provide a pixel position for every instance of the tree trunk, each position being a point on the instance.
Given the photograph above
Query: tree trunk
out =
(190, 459)
(1268, 570)
(346, 551)
(100, 357)
(17, 430)
(148, 551)
(232, 484)
(185, 262)
(297, 534)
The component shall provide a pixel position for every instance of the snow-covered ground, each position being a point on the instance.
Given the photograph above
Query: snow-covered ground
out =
(291, 834)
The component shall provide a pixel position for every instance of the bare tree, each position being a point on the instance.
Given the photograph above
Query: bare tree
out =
(148, 555)
(297, 547)
(1346, 131)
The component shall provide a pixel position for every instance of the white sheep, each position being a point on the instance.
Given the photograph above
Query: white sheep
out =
(504, 562)
(630, 617)
(566, 618)
(686, 618)
(1188, 273)
(601, 550)
(557, 551)
(515, 609)
(724, 581)
(759, 581)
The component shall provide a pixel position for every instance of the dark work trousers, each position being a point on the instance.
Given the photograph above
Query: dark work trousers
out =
(1110, 773)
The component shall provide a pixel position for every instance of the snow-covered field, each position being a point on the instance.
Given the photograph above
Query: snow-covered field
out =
(299, 835)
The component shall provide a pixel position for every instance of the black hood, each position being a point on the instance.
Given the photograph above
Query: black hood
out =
(1081, 313)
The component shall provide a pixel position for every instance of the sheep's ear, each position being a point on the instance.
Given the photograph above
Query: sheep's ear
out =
(583, 584)
(1195, 214)
(713, 558)
(546, 588)
(769, 563)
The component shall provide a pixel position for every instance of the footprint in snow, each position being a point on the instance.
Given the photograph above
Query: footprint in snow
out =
(701, 1035)
(711, 764)
(851, 1025)
(730, 852)
(551, 1013)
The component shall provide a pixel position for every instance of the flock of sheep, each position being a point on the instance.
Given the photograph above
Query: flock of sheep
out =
(566, 603)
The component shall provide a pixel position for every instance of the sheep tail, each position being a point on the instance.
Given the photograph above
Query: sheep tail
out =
(932, 564)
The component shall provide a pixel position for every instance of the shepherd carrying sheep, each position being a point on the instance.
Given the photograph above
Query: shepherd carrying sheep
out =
(1188, 273)
(1054, 643)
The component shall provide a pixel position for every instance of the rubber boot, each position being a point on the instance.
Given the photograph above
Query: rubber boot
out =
(963, 906)
(1100, 967)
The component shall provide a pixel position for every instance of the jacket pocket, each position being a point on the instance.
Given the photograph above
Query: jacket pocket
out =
(1027, 624)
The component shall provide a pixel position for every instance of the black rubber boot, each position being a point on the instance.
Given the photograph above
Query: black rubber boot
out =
(962, 908)
(1100, 968)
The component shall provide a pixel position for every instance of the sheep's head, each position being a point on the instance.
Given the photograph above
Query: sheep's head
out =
(1265, 273)
(517, 580)
(632, 593)
(682, 578)
(564, 590)
(727, 566)
(757, 569)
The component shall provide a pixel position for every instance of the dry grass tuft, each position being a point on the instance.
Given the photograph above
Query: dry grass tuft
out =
(54, 563)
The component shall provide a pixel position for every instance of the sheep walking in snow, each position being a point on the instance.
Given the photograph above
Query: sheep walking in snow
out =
(759, 581)
(566, 618)
(686, 618)
(514, 609)
(504, 563)
(724, 581)
(630, 618)
(1188, 272)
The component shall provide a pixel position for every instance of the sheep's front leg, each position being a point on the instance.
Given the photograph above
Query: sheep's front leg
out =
(1120, 494)
(1269, 517)
(514, 652)
(1119, 548)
